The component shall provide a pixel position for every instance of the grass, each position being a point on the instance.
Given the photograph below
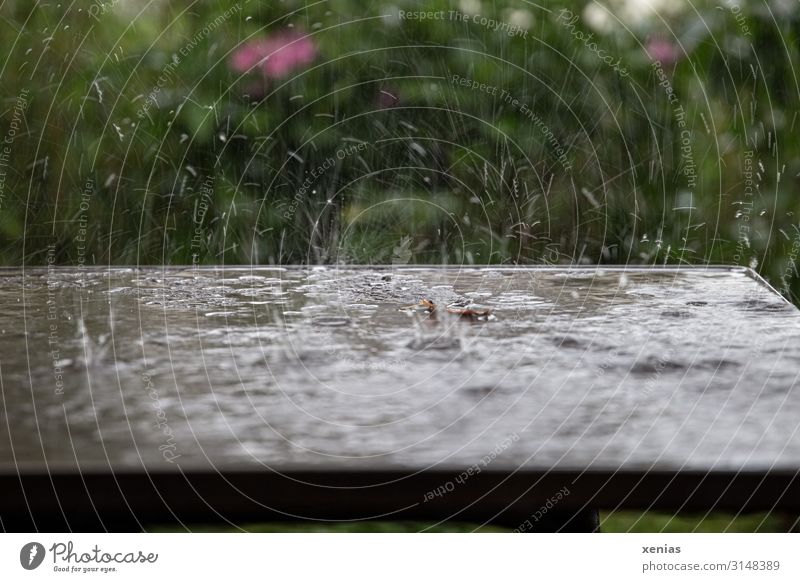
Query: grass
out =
(611, 522)
(637, 522)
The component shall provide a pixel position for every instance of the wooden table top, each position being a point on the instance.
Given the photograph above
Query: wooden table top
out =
(661, 387)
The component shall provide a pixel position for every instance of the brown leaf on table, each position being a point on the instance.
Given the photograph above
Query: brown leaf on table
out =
(428, 304)
(424, 305)
(471, 314)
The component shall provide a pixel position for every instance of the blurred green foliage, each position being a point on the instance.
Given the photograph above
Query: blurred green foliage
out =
(132, 106)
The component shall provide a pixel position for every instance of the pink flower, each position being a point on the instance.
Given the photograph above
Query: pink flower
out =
(276, 56)
(663, 51)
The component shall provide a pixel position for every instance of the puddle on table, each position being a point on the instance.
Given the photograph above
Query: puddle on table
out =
(328, 365)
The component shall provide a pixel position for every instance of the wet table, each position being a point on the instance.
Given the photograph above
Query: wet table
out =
(243, 394)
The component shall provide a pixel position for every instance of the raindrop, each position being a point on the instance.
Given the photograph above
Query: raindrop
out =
(99, 92)
(418, 148)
